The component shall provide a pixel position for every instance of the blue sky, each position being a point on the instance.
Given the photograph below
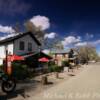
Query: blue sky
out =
(75, 18)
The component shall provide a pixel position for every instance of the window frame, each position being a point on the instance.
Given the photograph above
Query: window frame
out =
(29, 46)
(22, 45)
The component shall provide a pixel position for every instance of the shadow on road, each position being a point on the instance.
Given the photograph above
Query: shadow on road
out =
(13, 95)
(71, 74)
(21, 89)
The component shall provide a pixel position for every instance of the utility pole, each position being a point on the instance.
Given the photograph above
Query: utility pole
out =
(6, 60)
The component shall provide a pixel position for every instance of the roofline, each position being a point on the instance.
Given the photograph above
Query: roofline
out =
(19, 36)
(33, 54)
(61, 53)
(36, 40)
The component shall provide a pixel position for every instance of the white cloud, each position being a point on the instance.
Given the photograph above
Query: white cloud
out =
(88, 35)
(94, 43)
(97, 42)
(71, 40)
(91, 35)
(50, 35)
(46, 51)
(41, 21)
(81, 44)
(6, 29)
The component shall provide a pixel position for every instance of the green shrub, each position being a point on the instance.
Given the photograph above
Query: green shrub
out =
(57, 68)
(19, 70)
(50, 68)
(51, 63)
(65, 63)
(54, 68)
(1, 67)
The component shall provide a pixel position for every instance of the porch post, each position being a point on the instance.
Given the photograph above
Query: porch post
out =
(6, 60)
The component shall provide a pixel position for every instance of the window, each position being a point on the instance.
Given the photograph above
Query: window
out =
(21, 45)
(29, 46)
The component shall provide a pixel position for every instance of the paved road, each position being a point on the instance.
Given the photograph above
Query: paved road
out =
(84, 86)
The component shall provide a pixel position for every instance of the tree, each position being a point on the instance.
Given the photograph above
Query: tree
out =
(88, 53)
(29, 26)
(17, 27)
(40, 34)
(53, 44)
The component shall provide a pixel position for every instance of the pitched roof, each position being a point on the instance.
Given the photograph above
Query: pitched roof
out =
(13, 37)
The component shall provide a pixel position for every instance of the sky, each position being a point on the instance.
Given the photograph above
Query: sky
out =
(76, 21)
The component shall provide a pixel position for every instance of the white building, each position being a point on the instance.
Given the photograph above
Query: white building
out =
(19, 44)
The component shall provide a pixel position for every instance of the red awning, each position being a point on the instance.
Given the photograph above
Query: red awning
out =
(15, 57)
(43, 59)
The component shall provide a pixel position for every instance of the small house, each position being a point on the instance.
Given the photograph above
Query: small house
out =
(60, 55)
(19, 44)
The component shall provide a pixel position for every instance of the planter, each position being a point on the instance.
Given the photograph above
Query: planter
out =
(44, 80)
(65, 69)
(57, 74)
